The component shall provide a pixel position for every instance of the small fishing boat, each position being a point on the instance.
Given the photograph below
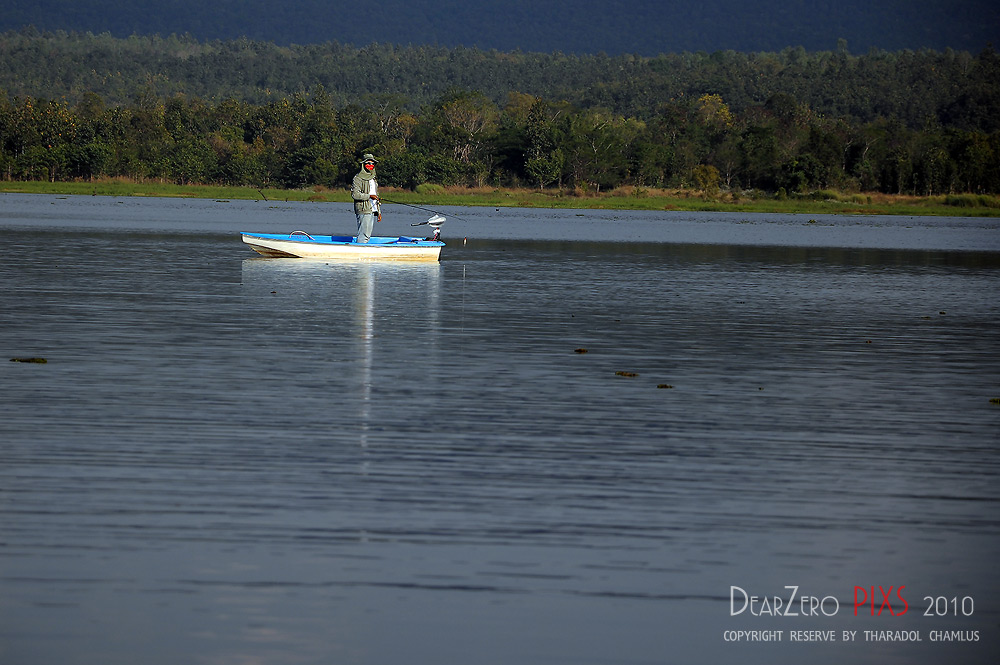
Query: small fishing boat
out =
(299, 244)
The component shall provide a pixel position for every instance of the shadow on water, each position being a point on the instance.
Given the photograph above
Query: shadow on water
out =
(541, 250)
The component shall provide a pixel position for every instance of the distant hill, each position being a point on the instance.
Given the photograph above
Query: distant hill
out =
(643, 27)
(957, 89)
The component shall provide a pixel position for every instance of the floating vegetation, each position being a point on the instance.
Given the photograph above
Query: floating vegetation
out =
(995, 400)
(628, 374)
(664, 385)
(28, 360)
(580, 350)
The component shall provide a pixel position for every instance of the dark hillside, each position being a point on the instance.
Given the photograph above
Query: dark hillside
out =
(644, 27)
(952, 89)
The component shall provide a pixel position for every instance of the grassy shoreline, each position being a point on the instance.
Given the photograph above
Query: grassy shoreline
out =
(825, 202)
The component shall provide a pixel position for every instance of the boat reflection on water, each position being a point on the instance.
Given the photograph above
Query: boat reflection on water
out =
(374, 315)
(364, 303)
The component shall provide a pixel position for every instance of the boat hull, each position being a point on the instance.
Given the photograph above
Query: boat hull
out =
(303, 246)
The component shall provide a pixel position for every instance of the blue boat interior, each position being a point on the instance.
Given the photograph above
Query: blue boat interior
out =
(301, 236)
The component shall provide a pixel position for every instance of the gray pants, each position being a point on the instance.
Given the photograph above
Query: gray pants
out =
(366, 222)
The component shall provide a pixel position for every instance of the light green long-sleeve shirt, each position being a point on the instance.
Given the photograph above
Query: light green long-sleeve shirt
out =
(362, 188)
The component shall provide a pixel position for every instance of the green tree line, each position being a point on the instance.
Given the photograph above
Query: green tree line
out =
(465, 138)
(80, 106)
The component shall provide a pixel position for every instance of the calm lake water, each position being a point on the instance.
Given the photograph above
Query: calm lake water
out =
(235, 460)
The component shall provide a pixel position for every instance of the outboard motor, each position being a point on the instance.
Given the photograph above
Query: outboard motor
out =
(435, 223)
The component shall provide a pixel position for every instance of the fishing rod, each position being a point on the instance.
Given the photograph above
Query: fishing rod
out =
(436, 212)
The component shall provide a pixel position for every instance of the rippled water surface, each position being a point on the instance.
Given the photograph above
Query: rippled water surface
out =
(563, 444)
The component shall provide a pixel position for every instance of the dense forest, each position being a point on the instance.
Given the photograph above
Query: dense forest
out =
(953, 88)
(79, 106)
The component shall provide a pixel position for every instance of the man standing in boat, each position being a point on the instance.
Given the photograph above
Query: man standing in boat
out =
(364, 191)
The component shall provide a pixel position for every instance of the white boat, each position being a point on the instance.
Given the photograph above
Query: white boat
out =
(300, 244)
